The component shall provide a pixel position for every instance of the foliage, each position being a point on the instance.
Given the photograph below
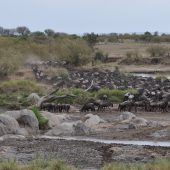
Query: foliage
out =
(15, 51)
(82, 96)
(42, 121)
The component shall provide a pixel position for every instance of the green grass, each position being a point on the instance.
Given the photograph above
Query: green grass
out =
(115, 96)
(37, 165)
(42, 121)
(162, 164)
(14, 93)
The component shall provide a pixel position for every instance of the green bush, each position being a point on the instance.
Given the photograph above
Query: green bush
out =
(42, 121)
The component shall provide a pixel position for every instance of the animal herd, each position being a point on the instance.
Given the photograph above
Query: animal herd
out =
(147, 101)
(52, 107)
(144, 101)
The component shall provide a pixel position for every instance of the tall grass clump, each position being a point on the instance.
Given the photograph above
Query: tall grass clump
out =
(42, 121)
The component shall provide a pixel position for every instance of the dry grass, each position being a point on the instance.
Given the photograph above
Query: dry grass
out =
(121, 49)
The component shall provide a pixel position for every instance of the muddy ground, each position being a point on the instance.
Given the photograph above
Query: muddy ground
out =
(113, 129)
(83, 155)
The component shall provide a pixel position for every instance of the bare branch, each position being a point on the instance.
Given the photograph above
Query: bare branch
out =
(92, 83)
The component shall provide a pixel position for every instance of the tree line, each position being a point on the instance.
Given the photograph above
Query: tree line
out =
(91, 38)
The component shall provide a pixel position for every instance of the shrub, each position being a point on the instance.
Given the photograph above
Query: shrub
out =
(157, 51)
(42, 121)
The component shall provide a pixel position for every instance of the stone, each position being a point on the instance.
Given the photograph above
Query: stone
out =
(92, 120)
(8, 125)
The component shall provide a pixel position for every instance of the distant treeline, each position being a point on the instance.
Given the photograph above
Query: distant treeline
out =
(92, 38)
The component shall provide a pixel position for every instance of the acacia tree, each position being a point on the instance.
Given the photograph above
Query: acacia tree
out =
(49, 32)
(23, 30)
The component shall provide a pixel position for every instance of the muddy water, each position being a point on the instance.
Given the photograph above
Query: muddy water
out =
(123, 142)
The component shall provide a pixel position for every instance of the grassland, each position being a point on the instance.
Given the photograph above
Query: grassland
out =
(121, 49)
(162, 164)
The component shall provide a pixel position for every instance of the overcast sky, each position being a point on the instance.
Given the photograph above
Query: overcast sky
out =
(80, 16)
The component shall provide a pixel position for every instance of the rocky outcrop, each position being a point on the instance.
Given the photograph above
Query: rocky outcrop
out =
(8, 125)
(23, 122)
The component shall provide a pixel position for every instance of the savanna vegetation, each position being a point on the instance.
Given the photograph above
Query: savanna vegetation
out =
(14, 93)
(162, 164)
(20, 46)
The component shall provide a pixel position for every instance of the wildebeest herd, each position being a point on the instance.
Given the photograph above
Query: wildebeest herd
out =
(96, 106)
(153, 94)
(52, 107)
(149, 101)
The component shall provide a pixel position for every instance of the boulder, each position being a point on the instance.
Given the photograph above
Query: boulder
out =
(126, 117)
(55, 119)
(80, 129)
(26, 119)
(92, 120)
(137, 123)
(65, 128)
(8, 125)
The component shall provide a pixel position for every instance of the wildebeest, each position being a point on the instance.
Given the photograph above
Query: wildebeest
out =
(88, 107)
(125, 106)
(104, 105)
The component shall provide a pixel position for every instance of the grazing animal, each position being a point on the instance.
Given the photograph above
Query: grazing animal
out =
(125, 106)
(88, 107)
(104, 105)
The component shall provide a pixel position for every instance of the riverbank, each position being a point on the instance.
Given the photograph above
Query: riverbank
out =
(81, 154)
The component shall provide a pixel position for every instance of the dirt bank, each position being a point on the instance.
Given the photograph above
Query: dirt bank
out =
(81, 154)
